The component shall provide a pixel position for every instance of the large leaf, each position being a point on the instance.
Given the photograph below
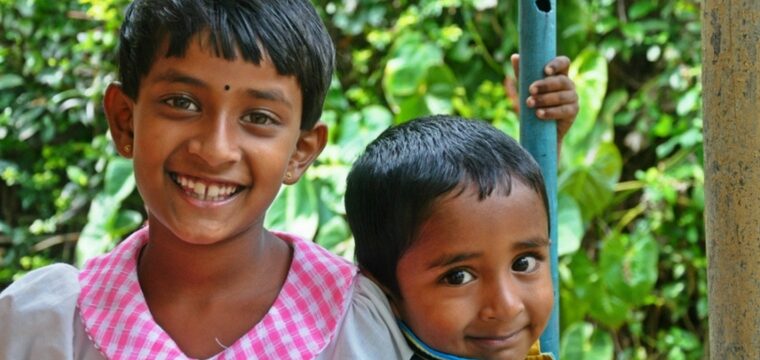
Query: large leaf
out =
(589, 72)
(295, 210)
(359, 129)
(106, 224)
(120, 180)
(407, 68)
(581, 341)
(591, 181)
(629, 266)
(8, 81)
(570, 225)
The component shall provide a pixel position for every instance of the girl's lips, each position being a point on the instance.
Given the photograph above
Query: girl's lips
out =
(205, 190)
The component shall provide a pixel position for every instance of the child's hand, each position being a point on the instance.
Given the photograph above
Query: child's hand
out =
(553, 97)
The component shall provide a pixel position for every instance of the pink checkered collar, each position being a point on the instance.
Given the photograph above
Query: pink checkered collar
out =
(299, 325)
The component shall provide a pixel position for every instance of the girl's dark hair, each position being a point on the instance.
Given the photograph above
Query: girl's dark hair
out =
(394, 184)
(289, 32)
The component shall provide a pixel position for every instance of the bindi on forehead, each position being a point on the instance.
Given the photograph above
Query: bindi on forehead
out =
(226, 87)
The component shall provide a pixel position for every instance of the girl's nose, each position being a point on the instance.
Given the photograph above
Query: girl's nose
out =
(501, 300)
(216, 142)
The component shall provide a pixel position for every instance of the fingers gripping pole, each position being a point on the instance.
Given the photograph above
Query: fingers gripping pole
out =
(537, 19)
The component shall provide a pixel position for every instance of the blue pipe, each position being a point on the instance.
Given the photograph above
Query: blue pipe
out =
(537, 23)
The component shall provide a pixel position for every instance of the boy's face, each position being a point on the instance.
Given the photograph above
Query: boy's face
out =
(476, 282)
(212, 141)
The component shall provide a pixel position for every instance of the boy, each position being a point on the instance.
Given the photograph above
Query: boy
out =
(450, 219)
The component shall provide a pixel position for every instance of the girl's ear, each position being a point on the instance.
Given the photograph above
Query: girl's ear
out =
(119, 109)
(310, 145)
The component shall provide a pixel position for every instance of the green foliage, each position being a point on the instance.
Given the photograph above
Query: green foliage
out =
(631, 180)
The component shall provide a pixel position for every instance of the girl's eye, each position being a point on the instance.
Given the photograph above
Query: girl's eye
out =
(258, 119)
(458, 277)
(526, 264)
(182, 102)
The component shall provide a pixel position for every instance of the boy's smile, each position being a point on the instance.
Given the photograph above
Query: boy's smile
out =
(213, 141)
(476, 282)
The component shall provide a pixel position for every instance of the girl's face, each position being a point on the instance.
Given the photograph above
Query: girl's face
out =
(476, 283)
(212, 142)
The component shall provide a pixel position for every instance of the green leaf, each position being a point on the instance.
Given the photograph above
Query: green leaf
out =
(589, 73)
(590, 180)
(581, 341)
(95, 238)
(641, 8)
(438, 91)
(77, 175)
(295, 210)
(406, 70)
(570, 225)
(629, 266)
(333, 233)
(120, 180)
(126, 221)
(8, 81)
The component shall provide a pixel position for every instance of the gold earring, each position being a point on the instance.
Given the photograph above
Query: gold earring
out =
(288, 175)
(128, 148)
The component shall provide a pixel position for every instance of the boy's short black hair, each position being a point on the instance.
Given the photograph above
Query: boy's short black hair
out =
(393, 186)
(289, 32)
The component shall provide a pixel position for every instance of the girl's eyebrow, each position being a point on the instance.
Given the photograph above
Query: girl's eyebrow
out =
(449, 259)
(269, 94)
(174, 76)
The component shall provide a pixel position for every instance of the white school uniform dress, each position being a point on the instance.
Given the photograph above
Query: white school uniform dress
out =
(325, 310)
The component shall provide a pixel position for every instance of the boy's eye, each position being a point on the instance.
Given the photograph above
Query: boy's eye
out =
(457, 277)
(182, 102)
(526, 264)
(258, 119)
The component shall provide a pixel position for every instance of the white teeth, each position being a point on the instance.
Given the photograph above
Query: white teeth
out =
(200, 189)
(213, 191)
(203, 191)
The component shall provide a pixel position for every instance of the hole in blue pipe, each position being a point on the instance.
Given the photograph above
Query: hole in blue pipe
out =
(544, 5)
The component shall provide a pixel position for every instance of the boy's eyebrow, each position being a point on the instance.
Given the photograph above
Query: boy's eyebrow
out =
(532, 243)
(174, 76)
(448, 259)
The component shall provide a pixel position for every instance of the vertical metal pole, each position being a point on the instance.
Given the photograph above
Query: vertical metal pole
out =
(731, 95)
(537, 19)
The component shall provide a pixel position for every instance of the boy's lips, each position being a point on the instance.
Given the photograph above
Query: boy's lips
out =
(205, 189)
(497, 341)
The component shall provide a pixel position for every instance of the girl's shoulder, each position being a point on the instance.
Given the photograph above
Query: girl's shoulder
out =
(39, 317)
(50, 287)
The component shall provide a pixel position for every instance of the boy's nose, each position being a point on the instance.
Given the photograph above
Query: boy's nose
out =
(216, 142)
(501, 300)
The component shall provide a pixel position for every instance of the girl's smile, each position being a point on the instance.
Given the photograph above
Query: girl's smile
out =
(206, 190)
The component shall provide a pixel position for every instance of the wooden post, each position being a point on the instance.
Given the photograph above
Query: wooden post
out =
(731, 87)
(538, 45)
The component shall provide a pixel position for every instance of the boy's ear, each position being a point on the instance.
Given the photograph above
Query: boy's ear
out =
(119, 109)
(310, 144)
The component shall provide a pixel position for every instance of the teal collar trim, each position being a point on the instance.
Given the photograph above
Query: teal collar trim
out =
(422, 348)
